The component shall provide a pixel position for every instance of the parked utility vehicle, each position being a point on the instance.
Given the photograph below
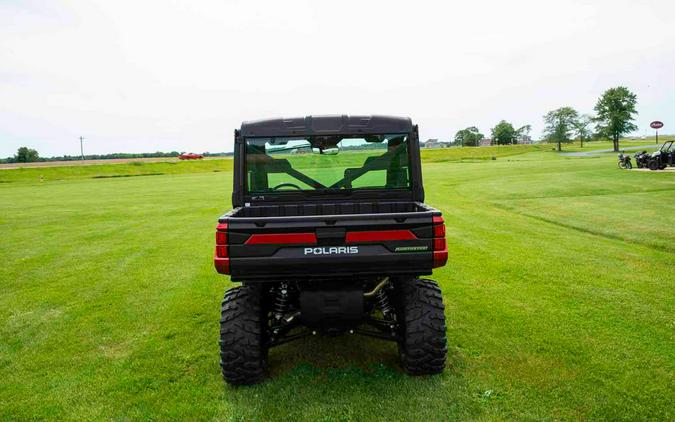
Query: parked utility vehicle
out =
(662, 158)
(329, 235)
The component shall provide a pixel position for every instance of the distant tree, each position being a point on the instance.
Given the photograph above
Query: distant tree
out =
(615, 114)
(582, 128)
(26, 155)
(559, 125)
(504, 133)
(469, 137)
(524, 130)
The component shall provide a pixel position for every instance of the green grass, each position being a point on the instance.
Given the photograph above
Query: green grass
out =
(102, 171)
(559, 297)
(477, 153)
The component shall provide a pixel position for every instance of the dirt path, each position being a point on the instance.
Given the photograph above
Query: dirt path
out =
(649, 148)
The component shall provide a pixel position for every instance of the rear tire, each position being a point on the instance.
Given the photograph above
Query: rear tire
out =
(422, 346)
(243, 348)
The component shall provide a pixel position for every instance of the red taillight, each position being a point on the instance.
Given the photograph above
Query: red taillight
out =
(440, 246)
(222, 265)
(280, 238)
(221, 251)
(221, 234)
(221, 259)
(440, 258)
(221, 240)
(379, 236)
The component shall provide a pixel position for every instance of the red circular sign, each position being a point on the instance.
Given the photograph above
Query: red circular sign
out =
(656, 124)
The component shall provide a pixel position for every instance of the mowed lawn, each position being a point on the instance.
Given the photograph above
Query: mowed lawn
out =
(559, 292)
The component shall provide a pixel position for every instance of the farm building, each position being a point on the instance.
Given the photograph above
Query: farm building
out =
(434, 143)
(485, 142)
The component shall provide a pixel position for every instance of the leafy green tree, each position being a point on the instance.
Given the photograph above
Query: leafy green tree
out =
(559, 125)
(469, 137)
(26, 155)
(582, 128)
(615, 114)
(504, 133)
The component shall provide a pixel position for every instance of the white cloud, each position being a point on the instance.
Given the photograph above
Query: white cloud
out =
(158, 75)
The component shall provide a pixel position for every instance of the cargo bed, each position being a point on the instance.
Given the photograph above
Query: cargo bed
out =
(324, 209)
(330, 240)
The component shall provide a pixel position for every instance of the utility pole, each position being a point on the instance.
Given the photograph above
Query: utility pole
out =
(81, 148)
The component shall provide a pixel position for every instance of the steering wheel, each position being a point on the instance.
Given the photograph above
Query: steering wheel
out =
(285, 185)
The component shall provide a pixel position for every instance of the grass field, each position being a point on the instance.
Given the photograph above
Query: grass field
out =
(106, 171)
(559, 292)
(154, 168)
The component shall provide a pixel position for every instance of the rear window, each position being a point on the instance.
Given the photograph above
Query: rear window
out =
(278, 164)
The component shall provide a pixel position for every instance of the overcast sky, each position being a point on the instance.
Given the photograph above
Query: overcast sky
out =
(141, 76)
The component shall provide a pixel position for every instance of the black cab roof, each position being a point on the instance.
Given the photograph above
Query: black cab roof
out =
(326, 125)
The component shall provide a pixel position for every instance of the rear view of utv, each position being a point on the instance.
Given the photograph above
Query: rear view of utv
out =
(329, 235)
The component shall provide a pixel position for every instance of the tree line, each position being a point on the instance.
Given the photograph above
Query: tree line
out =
(29, 155)
(615, 113)
(504, 133)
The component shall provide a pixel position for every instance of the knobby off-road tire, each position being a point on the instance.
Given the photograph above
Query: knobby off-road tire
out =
(653, 165)
(422, 347)
(243, 349)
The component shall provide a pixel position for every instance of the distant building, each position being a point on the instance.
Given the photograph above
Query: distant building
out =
(485, 142)
(433, 143)
(525, 139)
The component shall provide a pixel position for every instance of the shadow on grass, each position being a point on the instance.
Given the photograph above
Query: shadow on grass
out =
(351, 377)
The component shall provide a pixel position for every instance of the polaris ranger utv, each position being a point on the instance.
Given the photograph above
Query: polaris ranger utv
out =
(329, 234)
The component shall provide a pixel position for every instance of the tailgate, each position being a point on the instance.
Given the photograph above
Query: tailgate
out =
(324, 246)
